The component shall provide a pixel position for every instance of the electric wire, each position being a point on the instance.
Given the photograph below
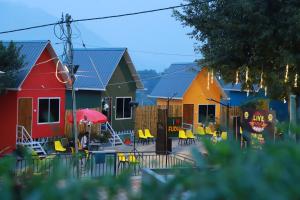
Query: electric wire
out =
(105, 17)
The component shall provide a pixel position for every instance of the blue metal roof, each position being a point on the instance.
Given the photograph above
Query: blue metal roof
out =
(31, 50)
(94, 62)
(175, 80)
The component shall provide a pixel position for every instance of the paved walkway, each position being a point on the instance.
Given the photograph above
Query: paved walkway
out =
(182, 149)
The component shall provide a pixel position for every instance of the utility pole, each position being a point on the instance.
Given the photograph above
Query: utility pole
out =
(68, 20)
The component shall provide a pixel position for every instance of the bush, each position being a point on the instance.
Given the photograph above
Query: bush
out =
(227, 172)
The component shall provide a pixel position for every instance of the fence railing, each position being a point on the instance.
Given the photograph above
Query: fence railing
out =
(98, 164)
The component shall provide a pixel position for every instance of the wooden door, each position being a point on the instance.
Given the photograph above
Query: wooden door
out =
(188, 113)
(25, 113)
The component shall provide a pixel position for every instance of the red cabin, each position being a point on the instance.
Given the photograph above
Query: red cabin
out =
(35, 107)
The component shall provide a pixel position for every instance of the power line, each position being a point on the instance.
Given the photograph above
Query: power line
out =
(105, 17)
(142, 51)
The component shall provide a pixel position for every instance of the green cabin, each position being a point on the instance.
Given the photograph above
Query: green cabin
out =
(106, 80)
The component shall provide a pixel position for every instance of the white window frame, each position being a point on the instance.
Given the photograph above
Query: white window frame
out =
(207, 111)
(123, 109)
(38, 111)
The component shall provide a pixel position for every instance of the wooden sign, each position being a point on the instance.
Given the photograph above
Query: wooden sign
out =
(174, 125)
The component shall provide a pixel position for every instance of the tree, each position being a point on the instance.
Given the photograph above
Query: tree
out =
(258, 38)
(10, 62)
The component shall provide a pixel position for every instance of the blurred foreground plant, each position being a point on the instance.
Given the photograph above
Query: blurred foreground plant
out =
(226, 172)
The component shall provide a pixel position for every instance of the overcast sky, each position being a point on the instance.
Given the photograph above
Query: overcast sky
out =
(154, 40)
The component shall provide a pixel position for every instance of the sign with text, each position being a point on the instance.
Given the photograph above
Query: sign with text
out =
(174, 125)
(259, 122)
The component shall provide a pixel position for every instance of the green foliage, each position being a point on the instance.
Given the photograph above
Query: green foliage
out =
(258, 34)
(10, 62)
(225, 172)
(255, 104)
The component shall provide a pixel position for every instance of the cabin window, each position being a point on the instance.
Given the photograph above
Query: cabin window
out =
(123, 109)
(206, 113)
(48, 110)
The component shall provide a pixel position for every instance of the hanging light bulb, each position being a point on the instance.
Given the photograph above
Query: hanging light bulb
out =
(261, 80)
(248, 91)
(266, 90)
(296, 80)
(284, 100)
(237, 77)
(286, 73)
(208, 82)
(212, 77)
(247, 75)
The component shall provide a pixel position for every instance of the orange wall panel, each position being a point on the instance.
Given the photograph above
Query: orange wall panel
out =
(198, 93)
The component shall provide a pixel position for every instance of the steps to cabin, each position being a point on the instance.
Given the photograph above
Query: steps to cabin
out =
(24, 139)
(115, 138)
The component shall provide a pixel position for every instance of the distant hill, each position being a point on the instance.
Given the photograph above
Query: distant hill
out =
(149, 78)
(17, 15)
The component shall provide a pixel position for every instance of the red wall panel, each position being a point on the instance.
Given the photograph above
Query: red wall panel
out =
(42, 82)
(8, 121)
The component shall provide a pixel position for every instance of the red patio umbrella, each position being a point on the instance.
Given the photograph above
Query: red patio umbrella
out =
(88, 115)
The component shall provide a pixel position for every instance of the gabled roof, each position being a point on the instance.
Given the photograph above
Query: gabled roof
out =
(236, 87)
(32, 50)
(96, 67)
(175, 81)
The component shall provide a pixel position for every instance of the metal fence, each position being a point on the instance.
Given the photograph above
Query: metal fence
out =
(97, 164)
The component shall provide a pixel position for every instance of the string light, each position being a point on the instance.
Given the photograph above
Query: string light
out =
(247, 74)
(266, 91)
(208, 82)
(261, 80)
(284, 100)
(247, 78)
(237, 77)
(212, 77)
(296, 80)
(286, 73)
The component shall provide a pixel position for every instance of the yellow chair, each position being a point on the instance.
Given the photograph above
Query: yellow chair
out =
(132, 159)
(241, 130)
(59, 147)
(208, 131)
(224, 135)
(122, 159)
(182, 137)
(142, 138)
(190, 136)
(200, 131)
(148, 135)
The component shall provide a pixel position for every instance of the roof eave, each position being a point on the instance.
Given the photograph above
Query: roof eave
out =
(162, 97)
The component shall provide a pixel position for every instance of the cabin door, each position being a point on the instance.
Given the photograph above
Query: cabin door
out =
(188, 114)
(25, 113)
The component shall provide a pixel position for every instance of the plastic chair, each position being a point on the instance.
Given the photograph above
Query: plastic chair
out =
(200, 131)
(224, 135)
(148, 135)
(190, 136)
(208, 131)
(182, 137)
(59, 147)
(122, 159)
(132, 159)
(142, 137)
(133, 162)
